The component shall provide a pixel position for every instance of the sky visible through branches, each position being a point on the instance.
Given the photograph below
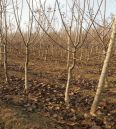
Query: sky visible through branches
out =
(65, 8)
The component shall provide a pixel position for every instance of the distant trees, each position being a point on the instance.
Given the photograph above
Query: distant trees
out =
(77, 36)
(76, 32)
(3, 37)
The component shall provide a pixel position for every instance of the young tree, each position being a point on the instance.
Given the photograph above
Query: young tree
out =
(5, 42)
(78, 13)
(104, 70)
(27, 39)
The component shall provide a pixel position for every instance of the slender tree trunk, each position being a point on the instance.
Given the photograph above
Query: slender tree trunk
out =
(106, 82)
(104, 71)
(106, 78)
(70, 68)
(46, 54)
(26, 69)
(52, 51)
(81, 54)
(40, 48)
(5, 63)
(5, 47)
(0, 31)
(1, 49)
(68, 55)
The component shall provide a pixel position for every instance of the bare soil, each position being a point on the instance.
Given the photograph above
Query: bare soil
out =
(44, 107)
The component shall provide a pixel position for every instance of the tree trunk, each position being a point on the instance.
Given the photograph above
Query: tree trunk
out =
(104, 71)
(106, 82)
(26, 69)
(0, 32)
(5, 63)
(46, 54)
(68, 55)
(68, 79)
(0, 52)
(5, 47)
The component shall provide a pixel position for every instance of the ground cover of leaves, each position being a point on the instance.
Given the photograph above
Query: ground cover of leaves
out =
(47, 100)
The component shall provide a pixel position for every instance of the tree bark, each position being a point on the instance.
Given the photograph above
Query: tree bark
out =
(68, 55)
(104, 71)
(5, 63)
(0, 32)
(26, 69)
(5, 47)
(68, 79)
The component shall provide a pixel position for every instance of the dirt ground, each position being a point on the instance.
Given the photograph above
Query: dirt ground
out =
(44, 107)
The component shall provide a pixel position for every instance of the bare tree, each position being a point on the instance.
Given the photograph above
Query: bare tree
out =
(5, 43)
(26, 40)
(104, 70)
(78, 17)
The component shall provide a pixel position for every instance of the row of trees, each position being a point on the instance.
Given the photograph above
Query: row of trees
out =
(79, 30)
